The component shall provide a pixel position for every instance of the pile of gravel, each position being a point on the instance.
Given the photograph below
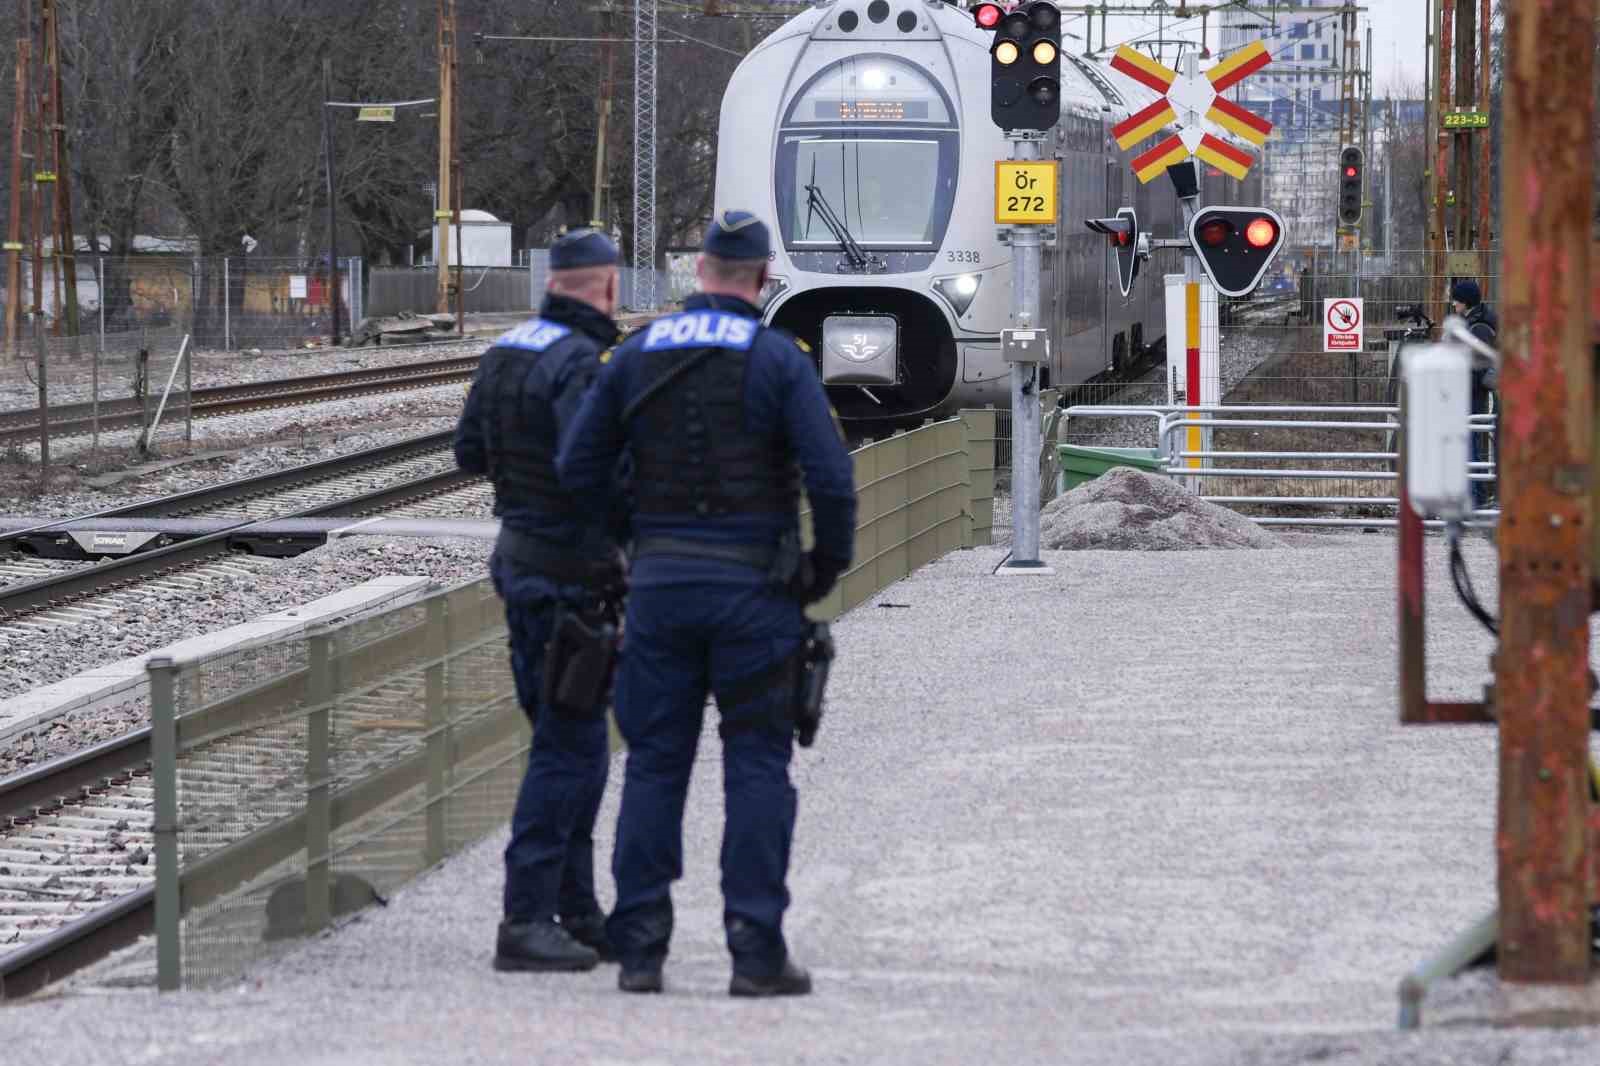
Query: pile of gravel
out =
(1128, 510)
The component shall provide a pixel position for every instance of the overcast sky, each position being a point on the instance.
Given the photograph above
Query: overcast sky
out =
(1398, 34)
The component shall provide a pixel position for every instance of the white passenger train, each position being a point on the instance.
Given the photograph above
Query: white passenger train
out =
(862, 129)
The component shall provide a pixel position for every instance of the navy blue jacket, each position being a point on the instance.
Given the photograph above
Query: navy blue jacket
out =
(782, 395)
(528, 368)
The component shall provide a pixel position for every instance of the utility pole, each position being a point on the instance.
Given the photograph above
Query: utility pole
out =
(644, 155)
(13, 245)
(442, 212)
(1460, 175)
(1544, 839)
(333, 203)
(608, 82)
(66, 246)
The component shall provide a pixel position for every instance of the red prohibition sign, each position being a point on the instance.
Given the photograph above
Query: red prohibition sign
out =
(1343, 317)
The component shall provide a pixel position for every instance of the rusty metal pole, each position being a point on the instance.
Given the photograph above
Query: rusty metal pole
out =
(14, 246)
(1442, 177)
(1541, 668)
(66, 250)
(441, 200)
(1409, 574)
(1485, 143)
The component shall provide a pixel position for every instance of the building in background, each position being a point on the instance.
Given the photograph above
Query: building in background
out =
(1300, 94)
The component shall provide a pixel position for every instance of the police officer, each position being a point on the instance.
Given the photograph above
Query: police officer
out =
(552, 552)
(717, 411)
(1466, 300)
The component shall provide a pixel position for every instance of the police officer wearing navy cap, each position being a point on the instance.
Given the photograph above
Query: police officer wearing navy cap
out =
(718, 412)
(552, 552)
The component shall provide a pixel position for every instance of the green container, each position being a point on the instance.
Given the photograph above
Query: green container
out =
(1080, 464)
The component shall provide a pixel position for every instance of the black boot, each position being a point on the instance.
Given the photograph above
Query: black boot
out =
(540, 946)
(645, 978)
(590, 931)
(792, 980)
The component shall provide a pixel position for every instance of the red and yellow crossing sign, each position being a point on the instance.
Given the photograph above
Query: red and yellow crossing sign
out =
(1141, 68)
(1238, 66)
(1197, 96)
(1151, 164)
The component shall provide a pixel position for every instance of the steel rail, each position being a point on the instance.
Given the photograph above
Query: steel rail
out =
(77, 419)
(182, 504)
(78, 584)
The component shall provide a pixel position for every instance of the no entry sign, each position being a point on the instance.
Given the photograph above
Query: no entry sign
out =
(1341, 324)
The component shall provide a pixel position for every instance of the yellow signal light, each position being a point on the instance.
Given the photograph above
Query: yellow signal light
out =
(1044, 53)
(1006, 52)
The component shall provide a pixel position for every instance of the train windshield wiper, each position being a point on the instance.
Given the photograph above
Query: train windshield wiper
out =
(816, 202)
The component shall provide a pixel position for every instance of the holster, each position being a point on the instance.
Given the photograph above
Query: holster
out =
(811, 681)
(579, 661)
(801, 677)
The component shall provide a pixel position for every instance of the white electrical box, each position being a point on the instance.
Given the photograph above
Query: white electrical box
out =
(1439, 429)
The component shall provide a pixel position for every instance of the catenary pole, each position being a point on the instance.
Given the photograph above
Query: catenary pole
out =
(1542, 674)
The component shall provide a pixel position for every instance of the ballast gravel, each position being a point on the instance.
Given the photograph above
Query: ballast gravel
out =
(166, 615)
(1154, 809)
(1243, 348)
(1129, 510)
(72, 380)
(231, 457)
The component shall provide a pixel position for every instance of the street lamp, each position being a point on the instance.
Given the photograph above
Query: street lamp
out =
(365, 112)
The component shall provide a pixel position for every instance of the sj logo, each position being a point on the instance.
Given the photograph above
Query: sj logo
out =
(860, 347)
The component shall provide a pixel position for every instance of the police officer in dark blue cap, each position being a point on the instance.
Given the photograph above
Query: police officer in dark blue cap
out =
(553, 554)
(719, 412)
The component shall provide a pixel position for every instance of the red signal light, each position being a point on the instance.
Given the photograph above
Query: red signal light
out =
(1215, 232)
(1349, 172)
(987, 16)
(1261, 233)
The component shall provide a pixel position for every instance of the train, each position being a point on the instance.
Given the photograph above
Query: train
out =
(862, 129)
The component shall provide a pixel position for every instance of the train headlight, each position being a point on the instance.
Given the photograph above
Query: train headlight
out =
(959, 291)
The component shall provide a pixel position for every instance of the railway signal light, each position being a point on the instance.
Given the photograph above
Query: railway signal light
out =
(1123, 231)
(1351, 163)
(987, 16)
(1025, 64)
(1236, 245)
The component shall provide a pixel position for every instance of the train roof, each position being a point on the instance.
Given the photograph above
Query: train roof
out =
(1089, 84)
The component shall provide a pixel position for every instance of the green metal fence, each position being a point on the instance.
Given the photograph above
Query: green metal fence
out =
(301, 779)
(304, 778)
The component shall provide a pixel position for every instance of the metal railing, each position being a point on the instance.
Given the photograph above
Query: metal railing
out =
(305, 777)
(1307, 480)
(301, 778)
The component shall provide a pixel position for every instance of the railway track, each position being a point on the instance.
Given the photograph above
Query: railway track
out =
(21, 424)
(77, 866)
(406, 475)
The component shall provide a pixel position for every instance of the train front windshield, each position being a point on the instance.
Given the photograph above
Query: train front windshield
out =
(876, 138)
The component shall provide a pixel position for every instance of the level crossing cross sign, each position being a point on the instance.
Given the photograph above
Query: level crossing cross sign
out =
(1197, 95)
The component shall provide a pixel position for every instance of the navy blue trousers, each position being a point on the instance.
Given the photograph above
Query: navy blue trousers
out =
(681, 642)
(550, 859)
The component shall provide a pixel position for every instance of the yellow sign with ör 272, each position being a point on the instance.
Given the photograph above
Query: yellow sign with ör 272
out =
(1025, 192)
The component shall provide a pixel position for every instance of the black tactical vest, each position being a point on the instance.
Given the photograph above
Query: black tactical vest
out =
(693, 454)
(520, 437)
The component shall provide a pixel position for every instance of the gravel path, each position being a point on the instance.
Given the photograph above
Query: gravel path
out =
(1091, 841)
(165, 616)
